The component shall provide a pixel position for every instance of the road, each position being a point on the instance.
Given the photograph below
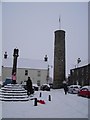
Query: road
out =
(60, 106)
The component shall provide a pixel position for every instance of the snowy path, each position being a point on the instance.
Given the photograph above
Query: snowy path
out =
(61, 106)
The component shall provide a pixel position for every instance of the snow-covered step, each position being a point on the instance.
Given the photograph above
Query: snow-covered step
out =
(13, 92)
(13, 96)
(17, 94)
(14, 99)
(1, 90)
(10, 85)
(15, 86)
(12, 89)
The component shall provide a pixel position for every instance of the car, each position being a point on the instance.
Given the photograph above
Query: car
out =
(84, 91)
(73, 89)
(36, 87)
(7, 81)
(51, 85)
(45, 87)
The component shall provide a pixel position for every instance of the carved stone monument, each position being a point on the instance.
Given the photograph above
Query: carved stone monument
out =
(14, 69)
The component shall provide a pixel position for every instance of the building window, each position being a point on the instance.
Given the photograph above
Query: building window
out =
(38, 82)
(38, 73)
(26, 72)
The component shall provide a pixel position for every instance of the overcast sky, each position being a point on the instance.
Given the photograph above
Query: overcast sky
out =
(30, 27)
(0, 37)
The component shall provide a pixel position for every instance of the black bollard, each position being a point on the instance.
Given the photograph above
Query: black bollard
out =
(49, 98)
(40, 94)
(35, 102)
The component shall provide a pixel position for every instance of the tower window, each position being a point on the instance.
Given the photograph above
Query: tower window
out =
(38, 82)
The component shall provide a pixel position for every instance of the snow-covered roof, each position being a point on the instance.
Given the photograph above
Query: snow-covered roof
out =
(75, 86)
(47, 85)
(83, 63)
(88, 87)
(25, 63)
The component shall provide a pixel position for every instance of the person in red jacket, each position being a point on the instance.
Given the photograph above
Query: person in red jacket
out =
(14, 78)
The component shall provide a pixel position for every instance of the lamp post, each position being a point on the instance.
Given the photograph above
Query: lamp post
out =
(78, 61)
(5, 55)
(73, 76)
(48, 69)
(48, 73)
(46, 58)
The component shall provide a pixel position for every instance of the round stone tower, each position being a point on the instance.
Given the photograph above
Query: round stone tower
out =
(59, 59)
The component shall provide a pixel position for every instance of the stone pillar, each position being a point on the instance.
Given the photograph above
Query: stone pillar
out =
(59, 59)
(14, 69)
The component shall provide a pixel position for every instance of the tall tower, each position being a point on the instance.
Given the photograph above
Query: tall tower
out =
(59, 59)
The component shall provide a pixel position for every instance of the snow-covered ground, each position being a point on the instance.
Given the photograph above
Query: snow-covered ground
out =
(61, 106)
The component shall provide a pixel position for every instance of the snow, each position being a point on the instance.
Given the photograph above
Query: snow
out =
(35, 85)
(88, 87)
(75, 86)
(46, 85)
(60, 106)
(12, 93)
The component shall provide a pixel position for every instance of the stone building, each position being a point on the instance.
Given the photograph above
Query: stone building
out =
(59, 59)
(80, 75)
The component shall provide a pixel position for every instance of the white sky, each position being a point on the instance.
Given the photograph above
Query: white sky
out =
(0, 36)
(30, 27)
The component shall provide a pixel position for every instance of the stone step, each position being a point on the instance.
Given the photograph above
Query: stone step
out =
(10, 94)
(13, 91)
(14, 99)
(12, 88)
(2, 96)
